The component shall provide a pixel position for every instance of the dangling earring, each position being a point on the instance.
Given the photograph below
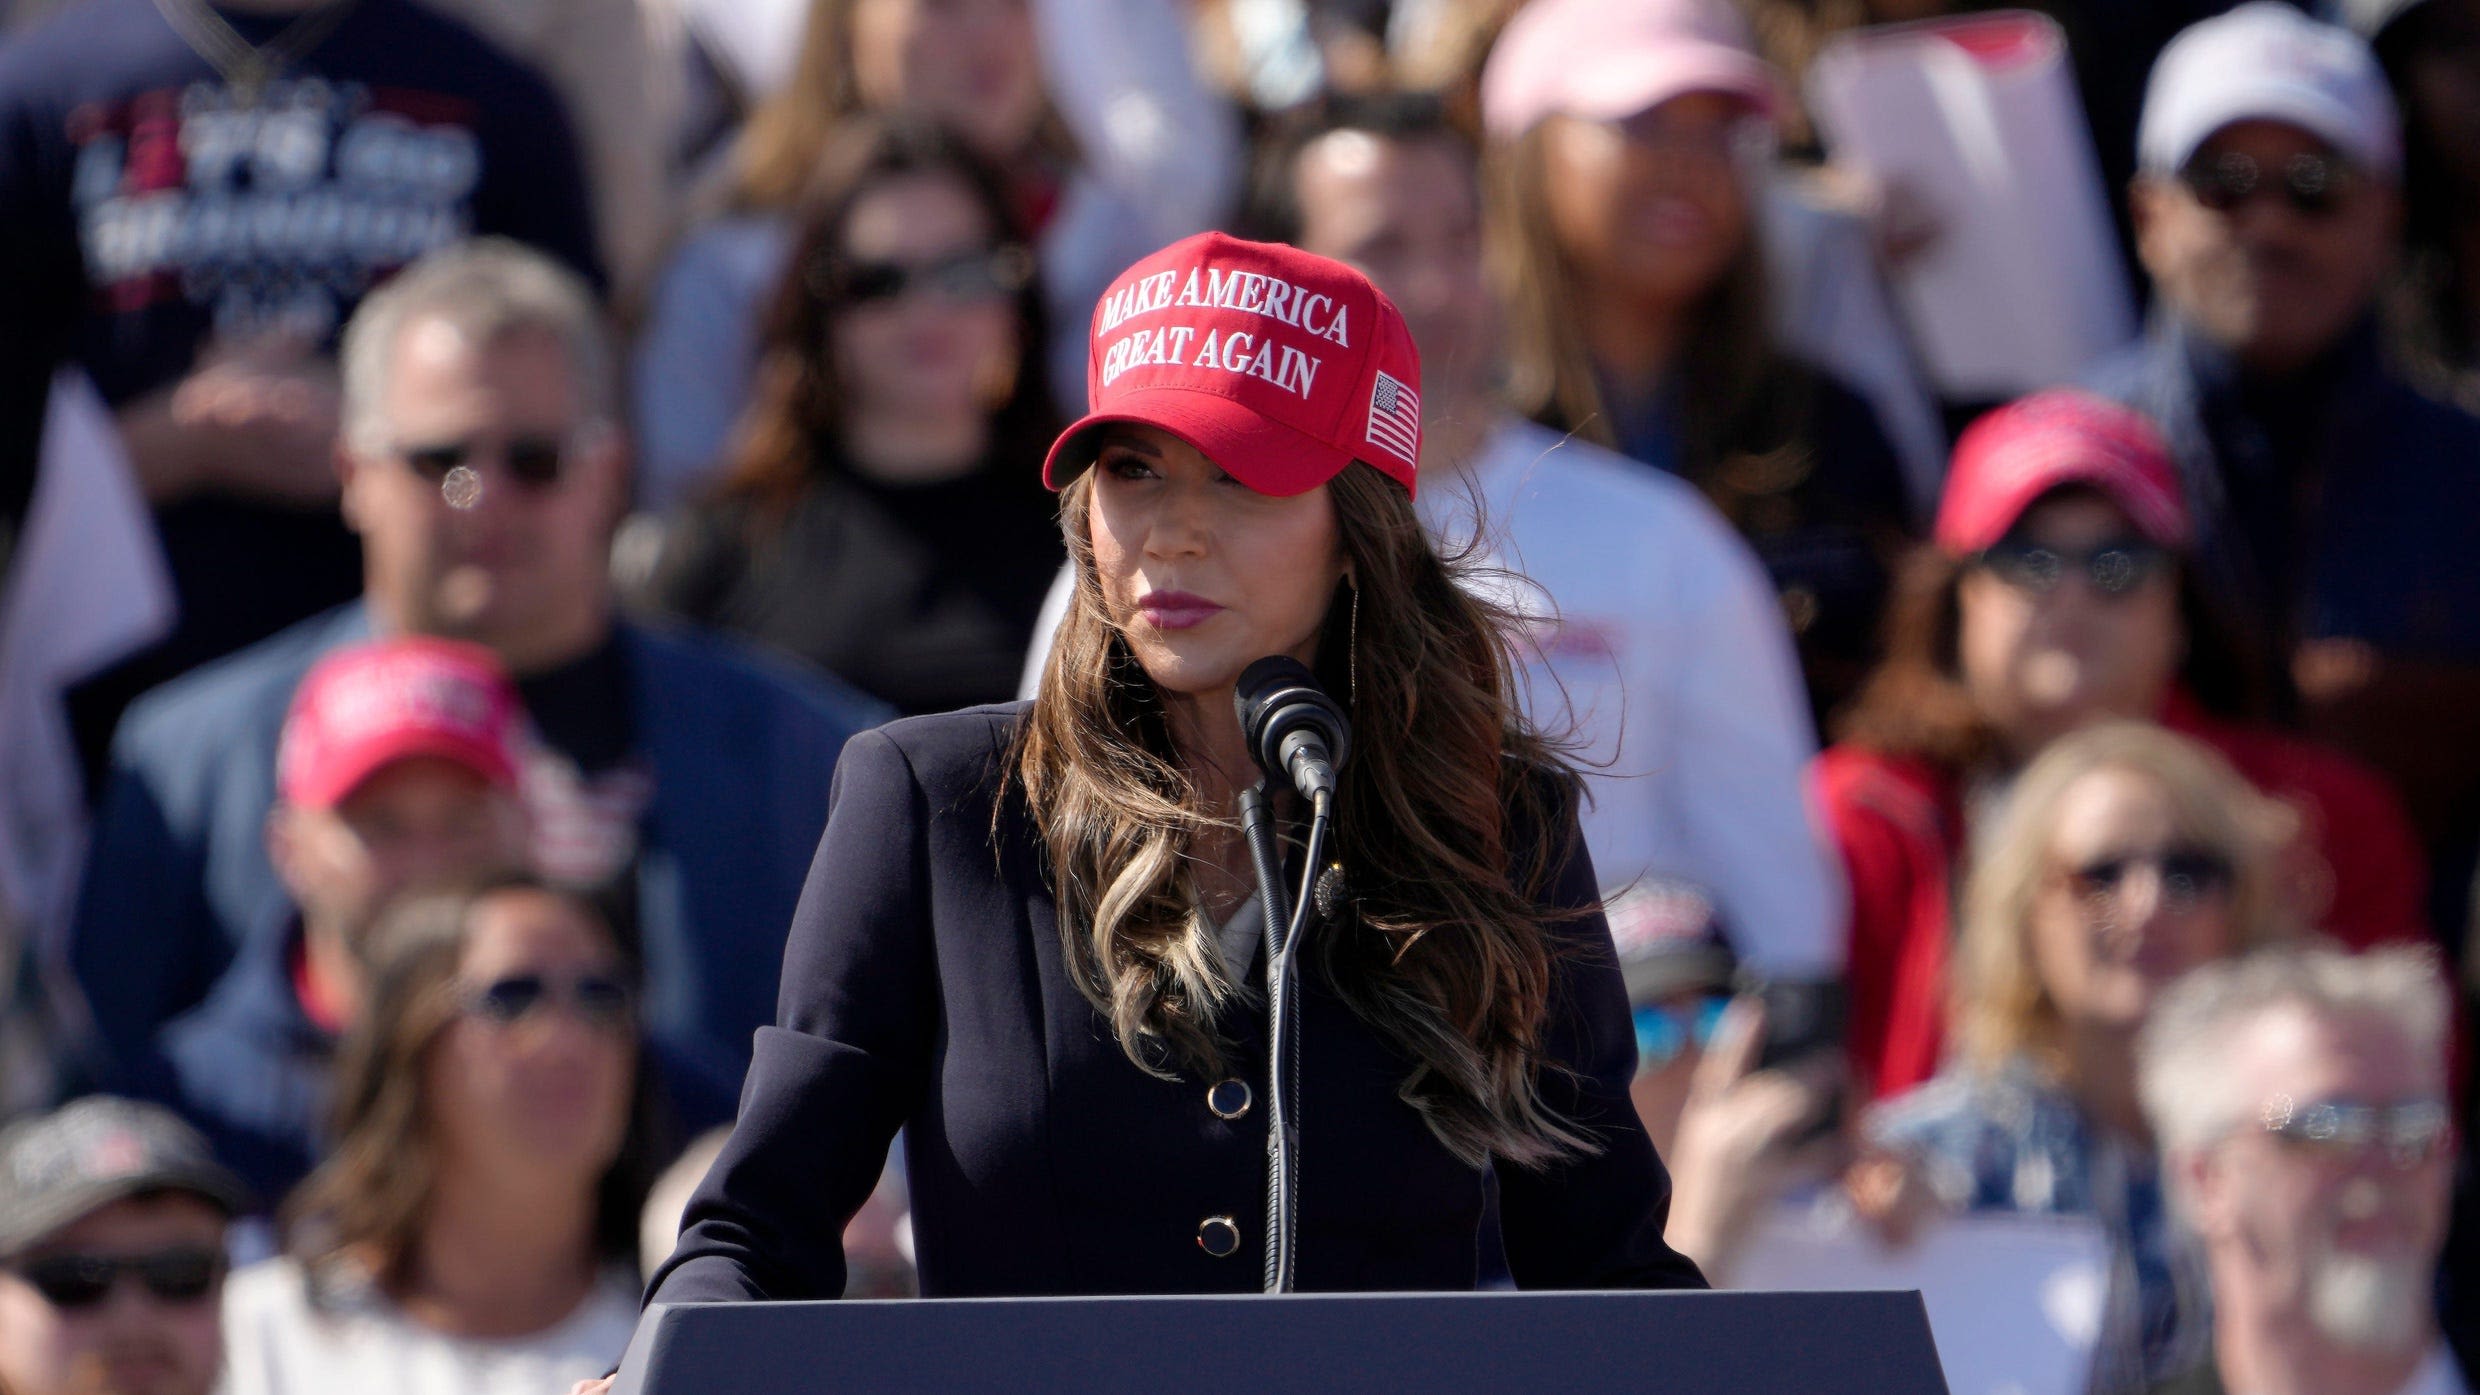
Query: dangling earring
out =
(1352, 652)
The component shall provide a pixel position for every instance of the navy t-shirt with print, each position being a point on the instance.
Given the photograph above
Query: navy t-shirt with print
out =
(148, 208)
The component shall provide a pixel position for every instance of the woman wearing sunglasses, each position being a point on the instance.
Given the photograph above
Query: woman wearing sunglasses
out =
(2057, 593)
(474, 1228)
(1032, 939)
(1092, 109)
(2126, 856)
(882, 516)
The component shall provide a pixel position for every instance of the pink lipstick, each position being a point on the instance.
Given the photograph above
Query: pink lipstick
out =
(1176, 610)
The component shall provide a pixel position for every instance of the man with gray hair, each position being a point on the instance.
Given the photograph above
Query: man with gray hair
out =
(482, 469)
(2299, 1098)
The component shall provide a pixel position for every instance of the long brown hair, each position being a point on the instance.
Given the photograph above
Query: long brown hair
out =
(365, 1204)
(1745, 407)
(793, 425)
(1453, 815)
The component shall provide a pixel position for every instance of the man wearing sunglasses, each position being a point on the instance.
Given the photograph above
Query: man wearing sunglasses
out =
(112, 1219)
(685, 777)
(2337, 510)
(2300, 1100)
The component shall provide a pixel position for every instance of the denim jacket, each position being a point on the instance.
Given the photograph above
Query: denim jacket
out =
(2014, 1141)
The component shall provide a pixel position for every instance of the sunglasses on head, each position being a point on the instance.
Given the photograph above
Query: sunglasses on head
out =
(2410, 1133)
(81, 1281)
(599, 999)
(1664, 1031)
(532, 461)
(2114, 568)
(2313, 185)
(2187, 876)
(966, 278)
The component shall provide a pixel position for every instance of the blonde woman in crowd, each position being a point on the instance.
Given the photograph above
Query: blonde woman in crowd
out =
(474, 1231)
(2126, 856)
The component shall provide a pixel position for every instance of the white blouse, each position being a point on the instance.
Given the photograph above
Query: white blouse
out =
(277, 1342)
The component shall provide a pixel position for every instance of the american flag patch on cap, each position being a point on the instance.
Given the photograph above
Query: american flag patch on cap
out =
(1395, 418)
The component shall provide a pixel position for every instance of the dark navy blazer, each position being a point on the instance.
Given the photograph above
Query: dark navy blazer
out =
(924, 987)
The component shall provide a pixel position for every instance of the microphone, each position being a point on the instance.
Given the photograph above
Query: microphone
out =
(1295, 731)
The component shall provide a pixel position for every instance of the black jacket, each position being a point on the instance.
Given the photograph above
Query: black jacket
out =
(924, 987)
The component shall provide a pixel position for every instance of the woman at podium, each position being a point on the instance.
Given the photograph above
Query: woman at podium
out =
(1031, 938)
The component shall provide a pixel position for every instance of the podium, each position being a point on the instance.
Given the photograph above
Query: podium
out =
(1431, 1344)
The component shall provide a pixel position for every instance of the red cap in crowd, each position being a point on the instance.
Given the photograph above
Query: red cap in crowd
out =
(1281, 367)
(2010, 458)
(367, 707)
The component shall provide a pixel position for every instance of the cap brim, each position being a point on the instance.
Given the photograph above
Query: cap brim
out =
(2284, 104)
(1618, 83)
(353, 772)
(1253, 448)
(1622, 84)
(2070, 471)
(31, 1224)
(1692, 969)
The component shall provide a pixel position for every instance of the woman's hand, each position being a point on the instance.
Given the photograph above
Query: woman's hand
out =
(1891, 1194)
(593, 1387)
(1746, 1136)
(1904, 218)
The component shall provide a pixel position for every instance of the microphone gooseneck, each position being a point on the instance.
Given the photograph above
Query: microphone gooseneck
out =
(1297, 735)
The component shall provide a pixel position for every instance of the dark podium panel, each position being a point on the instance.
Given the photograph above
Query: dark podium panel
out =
(1432, 1344)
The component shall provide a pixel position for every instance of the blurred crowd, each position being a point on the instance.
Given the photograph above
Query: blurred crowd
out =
(1994, 495)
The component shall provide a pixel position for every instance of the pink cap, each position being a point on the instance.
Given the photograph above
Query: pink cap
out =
(2008, 459)
(1281, 367)
(1604, 60)
(367, 707)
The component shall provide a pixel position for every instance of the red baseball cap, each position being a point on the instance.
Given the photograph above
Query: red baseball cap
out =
(367, 707)
(1281, 367)
(2010, 458)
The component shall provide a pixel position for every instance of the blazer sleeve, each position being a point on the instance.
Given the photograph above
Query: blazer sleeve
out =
(832, 1081)
(1594, 1221)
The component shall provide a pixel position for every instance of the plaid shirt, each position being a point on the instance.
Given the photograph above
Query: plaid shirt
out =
(2014, 1141)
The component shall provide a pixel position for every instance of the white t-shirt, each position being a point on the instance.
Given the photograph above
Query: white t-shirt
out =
(277, 1343)
(1657, 644)
(1659, 635)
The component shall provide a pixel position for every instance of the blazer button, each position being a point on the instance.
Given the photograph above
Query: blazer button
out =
(1218, 1236)
(1229, 1099)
